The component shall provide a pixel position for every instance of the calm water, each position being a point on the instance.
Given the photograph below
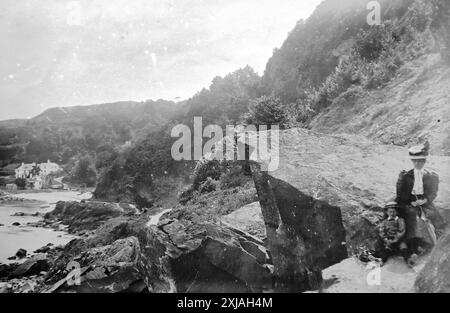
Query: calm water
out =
(13, 238)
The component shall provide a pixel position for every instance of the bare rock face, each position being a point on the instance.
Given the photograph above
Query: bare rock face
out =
(435, 276)
(304, 235)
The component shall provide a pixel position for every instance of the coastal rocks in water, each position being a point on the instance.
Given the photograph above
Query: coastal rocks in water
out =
(435, 276)
(44, 249)
(86, 215)
(21, 214)
(33, 266)
(304, 235)
(111, 268)
(21, 253)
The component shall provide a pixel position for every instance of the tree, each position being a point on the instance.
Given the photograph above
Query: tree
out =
(84, 172)
(267, 111)
(21, 183)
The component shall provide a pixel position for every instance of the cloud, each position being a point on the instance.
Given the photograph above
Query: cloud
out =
(93, 51)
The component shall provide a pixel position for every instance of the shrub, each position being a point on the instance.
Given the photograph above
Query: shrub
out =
(84, 172)
(21, 183)
(233, 177)
(207, 169)
(209, 185)
(267, 111)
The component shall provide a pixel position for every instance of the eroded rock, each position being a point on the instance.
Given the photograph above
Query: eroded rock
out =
(84, 215)
(110, 268)
(435, 276)
(304, 235)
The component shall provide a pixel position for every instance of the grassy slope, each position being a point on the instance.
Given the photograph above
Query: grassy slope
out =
(413, 107)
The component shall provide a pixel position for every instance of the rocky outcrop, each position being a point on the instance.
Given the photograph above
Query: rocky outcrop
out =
(86, 215)
(33, 266)
(435, 276)
(175, 256)
(110, 268)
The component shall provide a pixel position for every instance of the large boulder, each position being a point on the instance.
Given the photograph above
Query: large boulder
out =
(435, 276)
(211, 257)
(304, 235)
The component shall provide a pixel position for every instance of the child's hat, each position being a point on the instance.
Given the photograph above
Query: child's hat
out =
(391, 204)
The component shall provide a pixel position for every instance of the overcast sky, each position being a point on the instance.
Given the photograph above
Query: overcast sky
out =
(63, 53)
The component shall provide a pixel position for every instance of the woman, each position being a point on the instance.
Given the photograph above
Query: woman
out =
(416, 191)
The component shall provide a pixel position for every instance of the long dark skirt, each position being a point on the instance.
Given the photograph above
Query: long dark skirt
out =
(416, 227)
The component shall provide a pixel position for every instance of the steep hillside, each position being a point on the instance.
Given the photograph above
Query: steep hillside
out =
(413, 107)
(335, 73)
(313, 48)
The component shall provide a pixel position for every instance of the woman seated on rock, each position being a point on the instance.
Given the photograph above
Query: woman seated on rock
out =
(416, 191)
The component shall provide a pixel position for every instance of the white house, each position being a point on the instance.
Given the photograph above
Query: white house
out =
(49, 168)
(45, 169)
(24, 170)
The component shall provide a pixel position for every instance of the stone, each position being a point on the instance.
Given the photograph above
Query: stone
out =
(107, 269)
(214, 258)
(304, 235)
(7, 269)
(248, 219)
(435, 275)
(86, 215)
(21, 253)
(32, 266)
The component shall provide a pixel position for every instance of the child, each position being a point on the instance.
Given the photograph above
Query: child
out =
(392, 232)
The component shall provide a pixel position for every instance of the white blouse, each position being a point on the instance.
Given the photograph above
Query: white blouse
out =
(418, 182)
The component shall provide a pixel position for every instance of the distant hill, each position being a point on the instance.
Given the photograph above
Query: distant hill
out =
(61, 133)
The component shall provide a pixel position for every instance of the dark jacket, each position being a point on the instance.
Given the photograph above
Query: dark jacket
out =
(393, 229)
(405, 186)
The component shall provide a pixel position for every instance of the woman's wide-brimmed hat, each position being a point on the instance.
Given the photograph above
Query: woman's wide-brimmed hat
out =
(419, 152)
